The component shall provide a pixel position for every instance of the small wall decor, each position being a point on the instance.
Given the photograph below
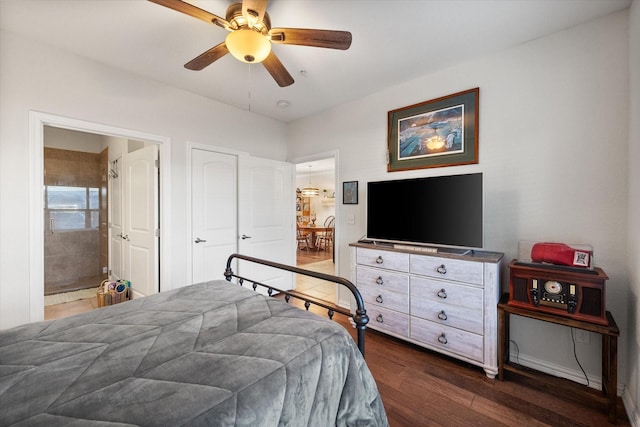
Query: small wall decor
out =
(436, 133)
(350, 193)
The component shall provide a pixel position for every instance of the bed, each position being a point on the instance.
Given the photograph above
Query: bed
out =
(212, 353)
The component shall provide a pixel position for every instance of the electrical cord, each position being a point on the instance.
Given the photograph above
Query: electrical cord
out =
(576, 357)
(517, 351)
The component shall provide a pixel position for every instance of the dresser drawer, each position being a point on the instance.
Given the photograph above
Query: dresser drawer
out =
(450, 315)
(427, 291)
(451, 339)
(446, 268)
(382, 279)
(384, 298)
(388, 320)
(383, 259)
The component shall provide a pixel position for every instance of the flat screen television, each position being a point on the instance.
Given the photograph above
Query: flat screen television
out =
(441, 211)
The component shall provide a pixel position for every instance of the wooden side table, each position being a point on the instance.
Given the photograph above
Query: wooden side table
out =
(609, 332)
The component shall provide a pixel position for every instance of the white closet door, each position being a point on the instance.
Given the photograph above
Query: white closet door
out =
(267, 218)
(214, 212)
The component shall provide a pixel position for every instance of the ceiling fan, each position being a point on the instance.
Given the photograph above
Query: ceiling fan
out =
(250, 36)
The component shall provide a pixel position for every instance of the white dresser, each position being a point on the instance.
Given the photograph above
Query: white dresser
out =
(445, 301)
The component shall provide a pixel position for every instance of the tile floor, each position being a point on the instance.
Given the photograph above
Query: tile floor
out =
(59, 311)
(315, 287)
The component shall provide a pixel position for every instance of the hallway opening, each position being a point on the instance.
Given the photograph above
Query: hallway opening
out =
(315, 225)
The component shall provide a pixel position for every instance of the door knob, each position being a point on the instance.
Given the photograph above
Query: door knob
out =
(199, 240)
(244, 236)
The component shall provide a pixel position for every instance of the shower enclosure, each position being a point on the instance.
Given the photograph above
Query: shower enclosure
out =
(75, 241)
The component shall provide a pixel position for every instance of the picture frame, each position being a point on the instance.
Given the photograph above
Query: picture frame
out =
(436, 133)
(350, 193)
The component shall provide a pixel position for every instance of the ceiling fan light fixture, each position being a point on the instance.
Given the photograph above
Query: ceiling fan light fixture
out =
(250, 36)
(248, 46)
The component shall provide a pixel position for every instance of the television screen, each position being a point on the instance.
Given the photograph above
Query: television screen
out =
(443, 210)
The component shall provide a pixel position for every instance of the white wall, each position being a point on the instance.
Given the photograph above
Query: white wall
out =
(553, 135)
(36, 77)
(632, 396)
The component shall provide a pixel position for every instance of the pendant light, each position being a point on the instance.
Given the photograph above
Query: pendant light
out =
(310, 190)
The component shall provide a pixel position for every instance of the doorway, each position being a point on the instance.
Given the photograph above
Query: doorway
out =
(96, 226)
(315, 224)
(38, 122)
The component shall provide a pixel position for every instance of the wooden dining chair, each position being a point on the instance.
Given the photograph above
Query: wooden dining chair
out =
(302, 239)
(326, 237)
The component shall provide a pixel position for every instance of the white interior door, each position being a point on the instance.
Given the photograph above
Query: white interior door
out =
(140, 243)
(115, 221)
(267, 218)
(214, 212)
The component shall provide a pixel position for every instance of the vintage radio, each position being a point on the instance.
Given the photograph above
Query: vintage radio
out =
(565, 291)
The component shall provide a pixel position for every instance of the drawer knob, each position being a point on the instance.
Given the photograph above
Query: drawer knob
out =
(442, 339)
(442, 315)
(379, 260)
(442, 294)
(379, 319)
(379, 299)
(441, 269)
(379, 280)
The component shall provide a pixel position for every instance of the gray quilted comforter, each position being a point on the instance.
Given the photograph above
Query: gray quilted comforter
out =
(208, 354)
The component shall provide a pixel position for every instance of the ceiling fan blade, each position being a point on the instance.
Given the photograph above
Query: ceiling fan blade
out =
(277, 70)
(254, 8)
(315, 38)
(208, 57)
(191, 10)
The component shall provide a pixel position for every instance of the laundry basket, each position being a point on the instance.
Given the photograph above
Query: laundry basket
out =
(113, 292)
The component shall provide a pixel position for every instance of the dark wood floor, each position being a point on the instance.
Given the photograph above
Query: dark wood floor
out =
(422, 388)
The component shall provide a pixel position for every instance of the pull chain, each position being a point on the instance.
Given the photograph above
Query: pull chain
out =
(249, 94)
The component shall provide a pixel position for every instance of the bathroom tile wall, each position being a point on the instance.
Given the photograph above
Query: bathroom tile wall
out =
(74, 258)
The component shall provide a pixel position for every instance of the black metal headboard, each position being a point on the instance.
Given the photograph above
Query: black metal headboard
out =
(360, 317)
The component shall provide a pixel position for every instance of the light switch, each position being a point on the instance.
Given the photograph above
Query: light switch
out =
(351, 219)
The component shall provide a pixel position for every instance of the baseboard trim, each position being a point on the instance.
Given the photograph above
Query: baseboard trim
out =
(561, 371)
(631, 409)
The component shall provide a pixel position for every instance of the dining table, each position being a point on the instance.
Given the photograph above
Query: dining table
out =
(312, 232)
